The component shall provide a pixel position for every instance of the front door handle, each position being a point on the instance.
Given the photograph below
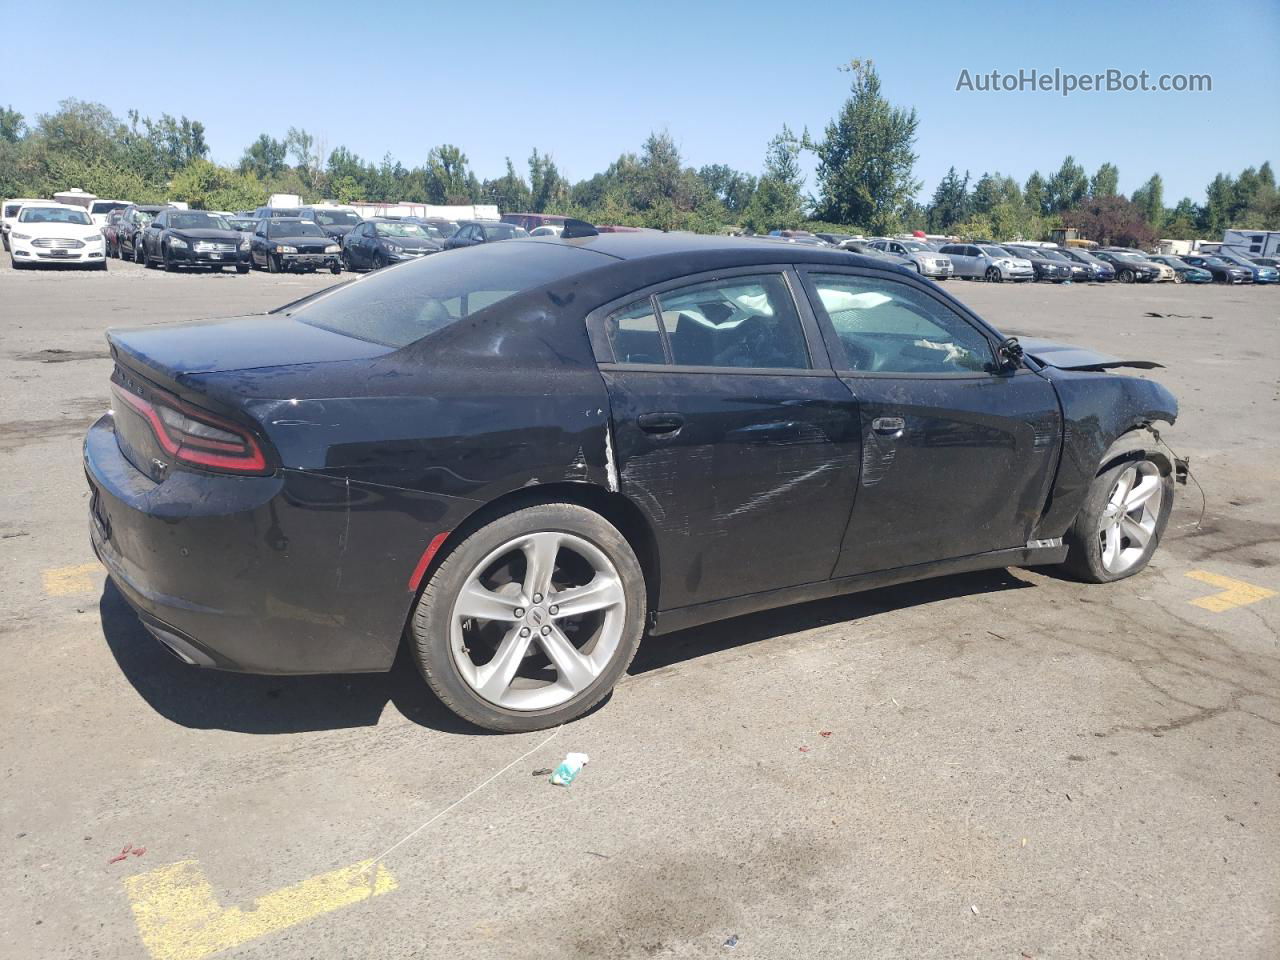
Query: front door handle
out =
(889, 426)
(660, 422)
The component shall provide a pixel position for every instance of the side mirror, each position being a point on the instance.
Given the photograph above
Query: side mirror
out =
(1009, 353)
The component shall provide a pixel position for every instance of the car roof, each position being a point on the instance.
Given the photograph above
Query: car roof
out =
(638, 246)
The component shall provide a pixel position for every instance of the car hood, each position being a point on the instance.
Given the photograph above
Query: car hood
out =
(295, 241)
(1066, 357)
(78, 231)
(205, 233)
(171, 351)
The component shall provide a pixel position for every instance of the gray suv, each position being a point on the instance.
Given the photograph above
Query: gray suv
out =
(927, 261)
(986, 261)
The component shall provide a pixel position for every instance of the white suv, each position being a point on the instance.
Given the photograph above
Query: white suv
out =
(55, 233)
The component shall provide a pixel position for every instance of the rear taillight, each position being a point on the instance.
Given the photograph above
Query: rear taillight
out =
(194, 436)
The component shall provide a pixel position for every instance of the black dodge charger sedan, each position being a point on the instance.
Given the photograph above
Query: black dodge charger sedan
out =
(193, 238)
(289, 243)
(517, 459)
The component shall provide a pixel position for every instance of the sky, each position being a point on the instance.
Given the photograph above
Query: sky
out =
(586, 82)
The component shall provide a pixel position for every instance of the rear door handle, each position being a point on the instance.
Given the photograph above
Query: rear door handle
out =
(660, 422)
(889, 426)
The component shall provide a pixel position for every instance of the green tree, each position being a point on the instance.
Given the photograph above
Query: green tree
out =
(1105, 182)
(731, 187)
(12, 124)
(1035, 194)
(1067, 187)
(866, 157)
(265, 157)
(449, 180)
(546, 185)
(1149, 198)
(207, 186)
(992, 190)
(950, 202)
(509, 191)
(776, 205)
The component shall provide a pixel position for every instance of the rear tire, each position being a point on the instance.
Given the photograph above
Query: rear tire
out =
(1114, 535)
(595, 646)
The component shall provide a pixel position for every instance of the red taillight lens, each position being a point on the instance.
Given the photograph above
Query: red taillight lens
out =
(194, 436)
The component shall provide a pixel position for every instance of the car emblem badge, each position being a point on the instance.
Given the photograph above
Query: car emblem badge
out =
(536, 616)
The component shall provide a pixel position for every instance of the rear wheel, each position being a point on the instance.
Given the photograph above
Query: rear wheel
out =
(1121, 520)
(531, 620)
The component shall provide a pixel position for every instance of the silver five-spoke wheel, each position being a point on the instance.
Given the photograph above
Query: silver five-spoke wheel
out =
(537, 620)
(1129, 518)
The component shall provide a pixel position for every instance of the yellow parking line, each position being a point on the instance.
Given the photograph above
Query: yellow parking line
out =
(65, 581)
(1235, 593)
(179, 918)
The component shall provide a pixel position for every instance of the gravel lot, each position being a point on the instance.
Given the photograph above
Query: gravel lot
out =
(1016, 765)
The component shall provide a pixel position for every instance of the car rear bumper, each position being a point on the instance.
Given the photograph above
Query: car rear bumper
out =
(256, 574)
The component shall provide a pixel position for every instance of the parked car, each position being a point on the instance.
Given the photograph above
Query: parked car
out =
(1099, 270)
(1130, 267)
(547, 230)
(1166, 273)
(283, 244)
(1048, 269)
(864, 248)
(1183, 271)
(378, 243)
(245, 226)
(48, 234)
(9, 213)
(1261, 274)
(530, 221)
(335, 220)
(1266, 261)
(178, 239)
(100, 210)
(437, 229)
(1221, 270)
(339, 450)
(109, 231)
(268, 213)
(473, 232)
(128, 235)
(835, 239)
(928, 262)
(986, 261)
(1080, 272)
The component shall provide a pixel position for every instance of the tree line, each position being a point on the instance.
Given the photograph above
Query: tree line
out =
(864, 179)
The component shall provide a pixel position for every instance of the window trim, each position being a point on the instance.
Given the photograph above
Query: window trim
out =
(836, 348)
(819, 359)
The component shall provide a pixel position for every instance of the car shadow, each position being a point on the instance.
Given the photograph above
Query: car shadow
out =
(657, 653)
(246, 703)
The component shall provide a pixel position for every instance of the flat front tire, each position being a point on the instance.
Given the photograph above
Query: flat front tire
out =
(1121, 520)
(531, 620)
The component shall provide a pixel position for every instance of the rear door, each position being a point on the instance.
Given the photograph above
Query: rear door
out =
(730, 430)
(957, 455)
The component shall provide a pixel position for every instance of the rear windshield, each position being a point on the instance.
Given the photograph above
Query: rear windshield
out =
(406, 303)
(106, 206)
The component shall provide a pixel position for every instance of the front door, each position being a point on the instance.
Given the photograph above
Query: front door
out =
(732, 432)
(957, 454)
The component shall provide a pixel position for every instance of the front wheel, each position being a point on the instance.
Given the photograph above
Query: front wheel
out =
(994, 275)
(273, 263)
(242, 268)
(1127, 276)
(1179, 278)
(531, 620)
(1121, 520)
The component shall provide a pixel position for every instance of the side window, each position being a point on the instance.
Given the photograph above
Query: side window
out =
(634, 334)
(748, 322)
(889, 327)
(160, 222)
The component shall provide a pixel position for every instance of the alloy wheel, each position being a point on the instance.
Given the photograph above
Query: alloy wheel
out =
(1128, 520)
(537, 621)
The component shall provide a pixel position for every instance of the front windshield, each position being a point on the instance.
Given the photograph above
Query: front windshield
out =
(1175, 262)
(397, 307)
(243, 224)
(197, 221)
(53, 215)
(915, 246)
(447, 228)
(106, 206)
(296, 228)
(1129, 257)
(336, 218)
(401, 229)
(1216, 262)
(996, 252)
